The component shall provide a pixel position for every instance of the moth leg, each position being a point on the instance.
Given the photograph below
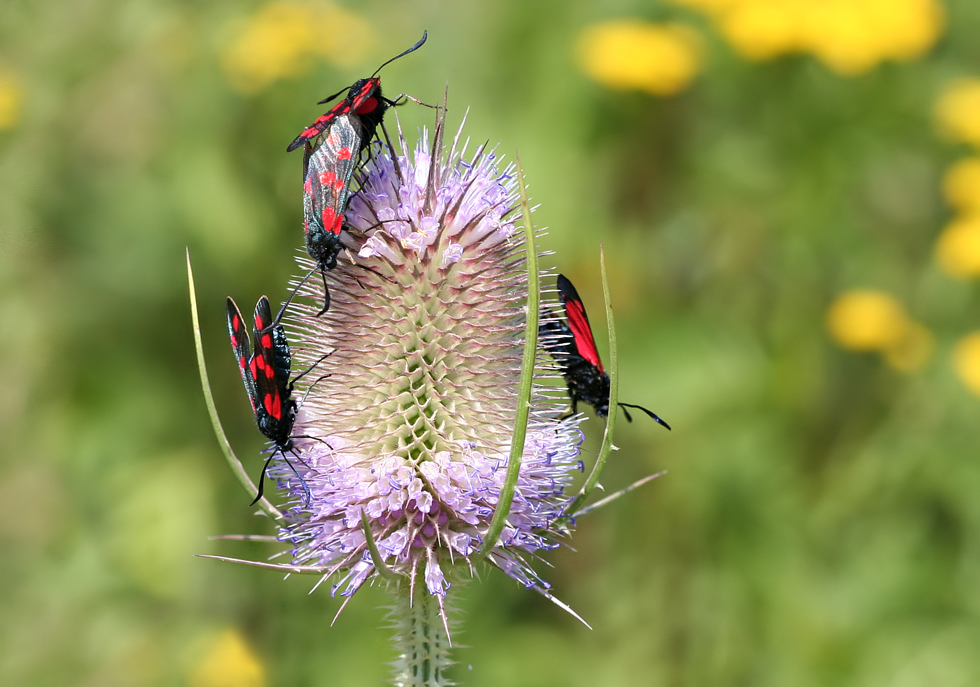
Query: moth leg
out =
(400, 100)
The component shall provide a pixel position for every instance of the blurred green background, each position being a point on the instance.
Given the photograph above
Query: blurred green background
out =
(748, 167)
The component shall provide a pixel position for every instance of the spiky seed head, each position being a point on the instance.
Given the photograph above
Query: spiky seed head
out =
(410, 419)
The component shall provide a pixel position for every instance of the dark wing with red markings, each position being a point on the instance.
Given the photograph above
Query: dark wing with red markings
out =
(578, 322)
(362, 92)
(329, 168)
(321, 123)
(271, 371)
(366, 102)
(238, 333)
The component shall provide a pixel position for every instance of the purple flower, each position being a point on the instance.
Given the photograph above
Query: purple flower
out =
(409, 421)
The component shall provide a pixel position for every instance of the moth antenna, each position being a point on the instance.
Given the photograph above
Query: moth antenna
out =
(656, 417)
(425, 34)
(326, 293)
(289, 300)
(262, 479)
(332, 97)
(322, 358)
(265, 468)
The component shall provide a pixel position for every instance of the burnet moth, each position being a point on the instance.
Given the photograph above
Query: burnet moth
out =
(328, 169)
(266, 376)
(573, 347)
(364, 101)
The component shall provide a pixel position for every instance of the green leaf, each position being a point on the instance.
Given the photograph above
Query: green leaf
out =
(379, 563)
(236, 465)
(613, 371)
(527, 376)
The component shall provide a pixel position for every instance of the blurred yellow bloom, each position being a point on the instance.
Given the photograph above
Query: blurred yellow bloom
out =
(281, 39)
(958, 248)
(853, 36)
(630, 54)
(711, 6)
(912, 350)
(763, 29)
(961, 185)
(849, 36)
(865, 320)
(966, 361)
(958, 111)
(229, 662)
(11, 98)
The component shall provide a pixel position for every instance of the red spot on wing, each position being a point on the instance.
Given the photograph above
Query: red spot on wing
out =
(308, 187)
(364, 101)
(328, 216)
(368, 105)
(235, 324)
(582, 332)
(328, 178)
(272, 405)
(338, 225)
(344, 153)
(266, 341)
(311, 132)
(338, 186)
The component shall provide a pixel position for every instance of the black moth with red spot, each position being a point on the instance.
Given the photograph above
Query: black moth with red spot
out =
(573, 347)
(328, 169)
(363, 100)
(266, 377)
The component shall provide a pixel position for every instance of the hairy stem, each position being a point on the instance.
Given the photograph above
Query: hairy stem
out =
(421, 640)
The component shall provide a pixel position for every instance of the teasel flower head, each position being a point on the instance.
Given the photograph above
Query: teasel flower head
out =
(407, 424)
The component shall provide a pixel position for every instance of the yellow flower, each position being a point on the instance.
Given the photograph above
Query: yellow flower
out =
(763, 29)
(852, 37)
(865, 320)
(710, 6)
(958, 111)
(228, 662)
(849, 36)
(11, 98)
(630, 54)
(351, 37)
(958, 248)
(281, 39)
(961, 185)
(966, 361)
(912, 350)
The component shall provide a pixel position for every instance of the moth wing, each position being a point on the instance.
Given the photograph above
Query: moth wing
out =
(241, 347)
(578, 322)
(329, 169)
(321, 123)
(268, 384)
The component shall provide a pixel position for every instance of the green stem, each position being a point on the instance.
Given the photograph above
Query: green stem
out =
(421, 640)
(236, 465)
(613, 370)
(527, 376)
(376, 558)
